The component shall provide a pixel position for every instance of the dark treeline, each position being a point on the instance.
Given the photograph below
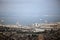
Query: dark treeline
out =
(52, 35)
(47, 35)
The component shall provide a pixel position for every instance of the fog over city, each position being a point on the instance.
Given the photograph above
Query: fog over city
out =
(29, 11)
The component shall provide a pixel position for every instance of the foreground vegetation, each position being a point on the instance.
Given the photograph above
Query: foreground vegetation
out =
(47, 35)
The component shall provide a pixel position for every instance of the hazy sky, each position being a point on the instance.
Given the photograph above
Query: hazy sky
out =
(29, 11)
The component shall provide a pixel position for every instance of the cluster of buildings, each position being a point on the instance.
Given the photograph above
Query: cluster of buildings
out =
(35, 27)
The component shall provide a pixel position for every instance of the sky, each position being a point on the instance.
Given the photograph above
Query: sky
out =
(29, 11)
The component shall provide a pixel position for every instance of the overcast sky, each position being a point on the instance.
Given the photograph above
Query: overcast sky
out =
(30, 11)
